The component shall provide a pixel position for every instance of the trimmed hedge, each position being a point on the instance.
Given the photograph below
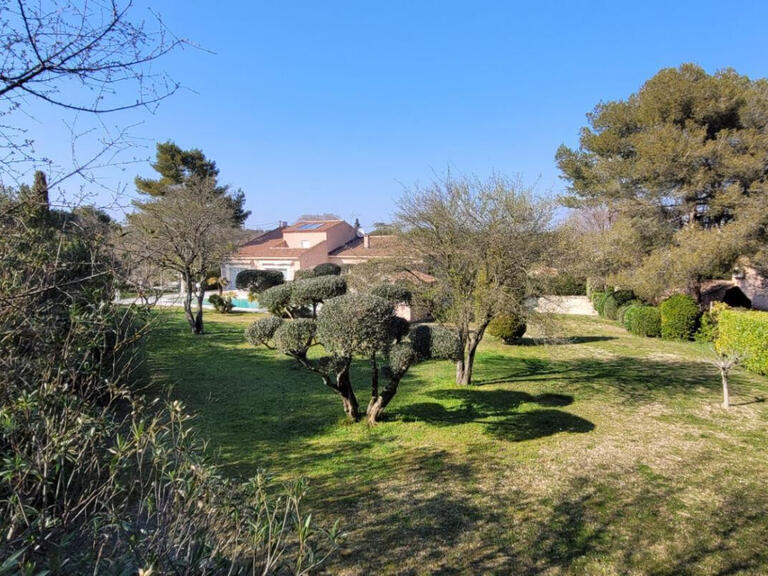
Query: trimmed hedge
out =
(616, 300)
(507, 327)
(435, 341)
(746, 333)
(679, 317)
(258, 280)
(393, 293)
(643, 320)
(623, 310)
(327, 269)
(597, 297)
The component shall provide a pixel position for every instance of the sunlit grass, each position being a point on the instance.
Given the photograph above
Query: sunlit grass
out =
(605, 454)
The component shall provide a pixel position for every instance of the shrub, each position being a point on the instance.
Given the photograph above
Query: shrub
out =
(277, 299)
(614, 301)
(567, 285)
(643, 320)
(295, 337)
(679, 317)
(221, 304)
(312, 291)
(262, 330)
(257, 281)
(598, 299)
(393, 293)
(623, 310)
(744, 332)
(354, 324)
(435, 341)
(303, 274)
(507, 327)
(327, 269)
(708, 330)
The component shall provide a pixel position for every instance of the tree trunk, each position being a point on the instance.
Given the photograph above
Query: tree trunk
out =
(348, 399)
(198, 327)
(460, 370)
(726, 395)
(376, 407)
(188, 303)
(465, 365)
(374, 383)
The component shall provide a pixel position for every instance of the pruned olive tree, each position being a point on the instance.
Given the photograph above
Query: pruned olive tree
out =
(481, 240)
(347, 326)
(188, 230)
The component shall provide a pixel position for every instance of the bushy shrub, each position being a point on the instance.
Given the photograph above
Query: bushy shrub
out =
(708, 330)
(303, 274)
(400, 357)
(744, 332)
(623, 310)
(393, 293)
(262, 330)
(295, 337)
(435, 341)
(399, 328)
(257, 281)
(221, 304)
(507, 327)
(327, 269)
(277, 299)
(614, 301)
(312, 291)
(679, 317)
(598, 300)
(643, 320)
(354, 324)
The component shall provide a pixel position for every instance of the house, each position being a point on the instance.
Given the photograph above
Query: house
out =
(304, 245)
(747, 288)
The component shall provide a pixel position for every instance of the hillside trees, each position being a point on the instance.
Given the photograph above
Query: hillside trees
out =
(481, 240)
(188, 230)
(681, 168)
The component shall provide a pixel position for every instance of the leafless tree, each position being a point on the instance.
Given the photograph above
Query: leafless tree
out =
(86, 58)
(725, 362)
(188, 231)
(480, 239)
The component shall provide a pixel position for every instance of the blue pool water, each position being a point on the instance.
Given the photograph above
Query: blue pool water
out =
(240, 303)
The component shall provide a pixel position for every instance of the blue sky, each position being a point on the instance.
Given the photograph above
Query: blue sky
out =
(337, 106)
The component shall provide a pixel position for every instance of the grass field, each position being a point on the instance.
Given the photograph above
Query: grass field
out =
(605, 454)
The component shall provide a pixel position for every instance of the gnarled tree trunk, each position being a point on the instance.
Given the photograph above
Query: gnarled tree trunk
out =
(377, 405)
(348, 399)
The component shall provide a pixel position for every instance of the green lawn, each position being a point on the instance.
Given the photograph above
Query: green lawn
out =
(607, 454)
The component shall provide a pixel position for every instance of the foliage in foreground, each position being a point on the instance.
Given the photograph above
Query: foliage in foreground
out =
(92, 479)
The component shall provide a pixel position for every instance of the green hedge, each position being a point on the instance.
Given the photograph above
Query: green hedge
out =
(507, 327)
(616, 300)
(643, 320)
(744, 332)
(598, 301)
(679, 317)
(623, 310)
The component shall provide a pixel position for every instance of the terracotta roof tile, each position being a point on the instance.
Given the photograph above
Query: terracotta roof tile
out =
(378, 247)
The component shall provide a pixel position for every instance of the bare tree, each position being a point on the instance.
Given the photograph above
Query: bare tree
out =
(725, 362)
(481, 240)
(86, 58)
(189, 231)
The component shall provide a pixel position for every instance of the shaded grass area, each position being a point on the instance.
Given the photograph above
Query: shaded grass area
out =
(596, 453)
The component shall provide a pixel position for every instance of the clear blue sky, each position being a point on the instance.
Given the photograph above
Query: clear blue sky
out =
(336, 106)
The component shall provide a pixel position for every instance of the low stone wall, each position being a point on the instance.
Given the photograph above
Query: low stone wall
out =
(580, 305)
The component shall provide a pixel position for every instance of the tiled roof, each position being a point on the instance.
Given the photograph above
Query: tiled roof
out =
(378, 247)
(269, 245)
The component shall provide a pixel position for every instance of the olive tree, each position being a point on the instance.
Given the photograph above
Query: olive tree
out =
(481, 240)
(347, 326)
(188, 231)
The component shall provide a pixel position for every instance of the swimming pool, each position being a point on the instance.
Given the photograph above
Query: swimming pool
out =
(242, 303)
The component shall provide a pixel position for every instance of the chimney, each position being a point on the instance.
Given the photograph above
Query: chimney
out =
(282, 224)
(366, 241)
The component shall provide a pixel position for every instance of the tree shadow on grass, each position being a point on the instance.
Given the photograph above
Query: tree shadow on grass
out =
(497, 411)
(563, 341)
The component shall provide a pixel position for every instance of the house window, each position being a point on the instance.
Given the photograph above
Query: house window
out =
(305, 244)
